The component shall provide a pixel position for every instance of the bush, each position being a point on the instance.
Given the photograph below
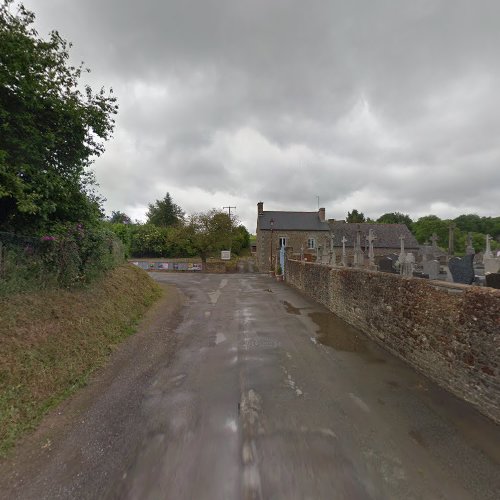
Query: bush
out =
(69, 256)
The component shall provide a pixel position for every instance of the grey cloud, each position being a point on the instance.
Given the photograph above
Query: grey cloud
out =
(392, 105)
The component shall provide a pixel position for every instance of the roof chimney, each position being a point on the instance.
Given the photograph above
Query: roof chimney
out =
(321, 214)
(260, 208)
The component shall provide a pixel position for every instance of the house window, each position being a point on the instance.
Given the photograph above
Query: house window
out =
(311, 243)
(282, 241)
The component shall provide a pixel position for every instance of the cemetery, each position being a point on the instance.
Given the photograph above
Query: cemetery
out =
(389, 248)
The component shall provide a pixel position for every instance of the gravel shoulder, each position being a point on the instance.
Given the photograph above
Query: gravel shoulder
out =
(91, 435)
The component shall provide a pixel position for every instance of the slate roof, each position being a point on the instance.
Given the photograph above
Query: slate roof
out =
(387, 235)
(292, 221)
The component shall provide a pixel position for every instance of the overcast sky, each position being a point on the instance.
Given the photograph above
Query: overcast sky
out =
(382, 106)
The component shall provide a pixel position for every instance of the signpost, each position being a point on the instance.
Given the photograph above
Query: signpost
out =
(225, 254)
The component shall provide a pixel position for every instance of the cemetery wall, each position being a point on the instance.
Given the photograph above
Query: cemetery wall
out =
(451, 334)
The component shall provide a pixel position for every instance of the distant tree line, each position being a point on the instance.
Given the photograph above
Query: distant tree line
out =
(424, 227)
(168, 232)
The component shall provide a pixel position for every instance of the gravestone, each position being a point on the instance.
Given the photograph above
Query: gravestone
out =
(333, 257)
(386, 265)
(492, 265)
(408, 265)
(427, 252)
(359, 256)
(478, 258)
(419, 274)
(451, 239)
(371, 254)
(493, 280)
(434, 240)
(319, 254)
(432, 268)
(344, 258)
(488, 254)
(462, 270)
(469, 250)
(402, 253)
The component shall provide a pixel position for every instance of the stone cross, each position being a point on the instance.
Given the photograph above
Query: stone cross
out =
(469, 250)
(319, 254)
(371, 238)
(333, 257)
(434, 240)
(358, 254)
(402, 252)
(451, 237)
(426, 251)
(402, 256)
(488, 254)
(344, 241)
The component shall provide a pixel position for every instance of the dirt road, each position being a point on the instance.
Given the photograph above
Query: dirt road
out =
(238, 387)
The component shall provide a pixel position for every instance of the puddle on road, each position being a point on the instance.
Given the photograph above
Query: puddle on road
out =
(418, 438)
(289, 308)
(335, 332)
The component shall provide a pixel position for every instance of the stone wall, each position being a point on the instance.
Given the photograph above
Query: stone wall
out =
(450, 333)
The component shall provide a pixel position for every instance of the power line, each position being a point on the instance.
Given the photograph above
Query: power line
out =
(229, 210)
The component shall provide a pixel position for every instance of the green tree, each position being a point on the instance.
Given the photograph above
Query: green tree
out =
(209, 232)
(395, 218)
(469, 223)
(165, 212)
(355, 216)
(476, 224)
(50, 131)
(148, 240)
(491, 226)
(240, 239)
(119, 218)
(424, 227)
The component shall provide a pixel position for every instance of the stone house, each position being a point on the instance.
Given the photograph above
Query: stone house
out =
(310, 234)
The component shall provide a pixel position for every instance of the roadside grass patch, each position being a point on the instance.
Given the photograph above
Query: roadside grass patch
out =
(52, 340)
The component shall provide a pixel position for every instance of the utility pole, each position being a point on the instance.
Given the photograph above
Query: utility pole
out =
(231, 221)
(229, 210)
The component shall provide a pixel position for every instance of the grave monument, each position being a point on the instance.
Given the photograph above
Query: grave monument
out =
(344, 260)
(461, 269)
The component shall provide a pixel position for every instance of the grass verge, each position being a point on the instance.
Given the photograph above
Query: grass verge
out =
(51, 341)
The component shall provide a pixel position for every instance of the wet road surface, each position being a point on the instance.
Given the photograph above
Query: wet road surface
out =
(253, 391)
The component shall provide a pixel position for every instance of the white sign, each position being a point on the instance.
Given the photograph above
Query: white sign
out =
(225, 254)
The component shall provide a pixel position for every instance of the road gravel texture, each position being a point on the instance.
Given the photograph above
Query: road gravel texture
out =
(238, 387)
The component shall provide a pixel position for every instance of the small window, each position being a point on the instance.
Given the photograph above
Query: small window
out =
(282, 241)
(311, 243)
